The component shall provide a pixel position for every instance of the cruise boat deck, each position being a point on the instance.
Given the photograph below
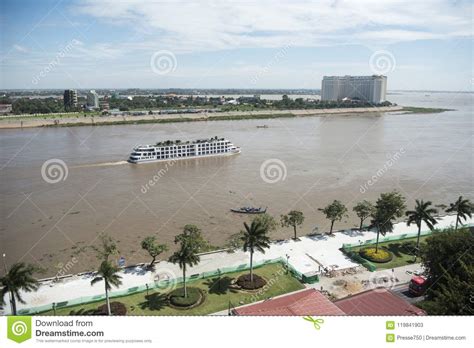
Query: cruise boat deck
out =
(167, 150)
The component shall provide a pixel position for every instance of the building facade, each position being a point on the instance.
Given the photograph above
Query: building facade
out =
(93, 99)
(70, 99)
(372, 89)
(104, 104)
(6, 109)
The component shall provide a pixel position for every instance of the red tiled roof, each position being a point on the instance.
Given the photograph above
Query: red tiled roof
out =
(378, 301)
(307, 302)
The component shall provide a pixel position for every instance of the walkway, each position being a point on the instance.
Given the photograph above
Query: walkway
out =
(304, 256)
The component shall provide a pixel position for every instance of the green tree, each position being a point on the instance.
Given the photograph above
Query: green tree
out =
(266, 221)
(185, 256)
(108, 247)
(421, 213)
(388, 207)
(293, 219)
(194, 233)
(18, 278)
(363, 209)
(255, 239)
(109, 274)
(448, 261)
(463, 209)
(153, 248)
(334, 212)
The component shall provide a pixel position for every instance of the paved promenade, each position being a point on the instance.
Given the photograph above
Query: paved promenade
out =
(305, 256)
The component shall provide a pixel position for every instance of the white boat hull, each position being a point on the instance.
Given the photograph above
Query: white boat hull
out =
(151, 160)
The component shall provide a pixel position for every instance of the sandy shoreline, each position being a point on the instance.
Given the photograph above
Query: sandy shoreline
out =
(10, 123)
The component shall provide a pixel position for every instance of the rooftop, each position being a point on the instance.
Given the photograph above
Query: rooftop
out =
(354, 77)
(380, 301)
(306, 302)
(179, 142)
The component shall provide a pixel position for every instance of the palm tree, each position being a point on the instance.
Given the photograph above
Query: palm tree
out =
(186, 255)
(19, 277)
(462, 208)
(255, 239)
(109, 274)
(422, 213)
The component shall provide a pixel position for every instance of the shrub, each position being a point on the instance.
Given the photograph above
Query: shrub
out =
(408, 248)
(176, 297)
(117, 308)
(244, 282)
(381, 256)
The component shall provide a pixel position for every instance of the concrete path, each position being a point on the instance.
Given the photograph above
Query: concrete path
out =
(342, 286)
(305, 256)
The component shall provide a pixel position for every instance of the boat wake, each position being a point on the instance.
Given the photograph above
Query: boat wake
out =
(103, 164)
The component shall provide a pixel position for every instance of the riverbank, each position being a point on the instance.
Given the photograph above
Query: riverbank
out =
(81, 120)
(309, 255)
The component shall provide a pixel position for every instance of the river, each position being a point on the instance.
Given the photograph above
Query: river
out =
(310, 161)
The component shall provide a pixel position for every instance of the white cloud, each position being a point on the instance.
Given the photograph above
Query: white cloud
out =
(186, 26)
(20, 48)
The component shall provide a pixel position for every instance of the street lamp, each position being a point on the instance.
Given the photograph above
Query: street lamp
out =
(6, 272)
(219, 280)
(5, 263)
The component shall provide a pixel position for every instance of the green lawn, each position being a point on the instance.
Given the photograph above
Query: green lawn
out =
(217, 292)
(402, 251)
(422, 110)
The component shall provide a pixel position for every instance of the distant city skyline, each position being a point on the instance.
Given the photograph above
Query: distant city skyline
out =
(94, 44)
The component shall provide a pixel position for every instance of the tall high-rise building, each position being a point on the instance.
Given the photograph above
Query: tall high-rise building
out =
(372, 89)
(104, 104)
(93, 99)
(70, 99)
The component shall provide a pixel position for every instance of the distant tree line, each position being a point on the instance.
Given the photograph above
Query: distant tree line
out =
(35, 106)
(56, 105)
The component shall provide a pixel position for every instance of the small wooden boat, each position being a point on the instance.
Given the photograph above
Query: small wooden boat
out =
(264, 126)
(249, 210)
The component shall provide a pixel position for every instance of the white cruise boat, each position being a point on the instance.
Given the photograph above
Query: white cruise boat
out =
(175, 150)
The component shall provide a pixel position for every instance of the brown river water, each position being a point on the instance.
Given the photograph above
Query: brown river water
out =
(301, 163)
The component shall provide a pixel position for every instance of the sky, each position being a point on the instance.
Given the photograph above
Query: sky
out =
(418, 45)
